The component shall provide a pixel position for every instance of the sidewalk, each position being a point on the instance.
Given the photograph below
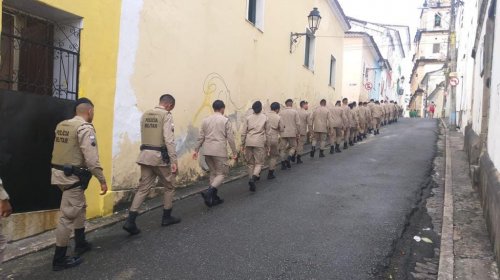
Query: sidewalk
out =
(466, 239)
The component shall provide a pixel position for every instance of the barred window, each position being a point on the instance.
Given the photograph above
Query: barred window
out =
(39, 56)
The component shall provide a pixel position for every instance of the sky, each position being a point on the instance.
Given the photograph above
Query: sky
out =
(399, 12)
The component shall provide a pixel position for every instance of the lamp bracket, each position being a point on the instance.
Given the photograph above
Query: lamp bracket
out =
(293, 39)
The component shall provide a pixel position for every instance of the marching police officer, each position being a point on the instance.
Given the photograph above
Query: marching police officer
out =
(74, 160)
(215, 133)
(319, 121)
(290, 135)
(275, 127)
(304, 117)
(377, 115)
(347, 122)
(254, 143)
(336, 124)
(157, 159)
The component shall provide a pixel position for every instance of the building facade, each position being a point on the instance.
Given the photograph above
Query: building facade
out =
(393, 42)
(124, 55)
(431, 50)
(362, 75)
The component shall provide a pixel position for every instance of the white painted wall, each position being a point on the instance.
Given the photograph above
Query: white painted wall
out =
(494, 121)
(466, 19)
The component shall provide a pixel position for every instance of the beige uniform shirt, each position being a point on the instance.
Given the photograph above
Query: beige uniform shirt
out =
(253, 133)
(352, 118)
(347, 113)
(355, 112)
(215, 133)
(291, 122)
(377, 111)
(153, 158)
(320, 118)
(304, 117)
(368, 113)
(362, 115)
(88, 144)
(336, 117)
(274, 127)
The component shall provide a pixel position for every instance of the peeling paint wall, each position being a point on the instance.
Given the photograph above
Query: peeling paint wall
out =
(204, 50)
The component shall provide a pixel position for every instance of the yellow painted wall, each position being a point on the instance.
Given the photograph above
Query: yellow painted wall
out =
(205, 50)
(98, 57)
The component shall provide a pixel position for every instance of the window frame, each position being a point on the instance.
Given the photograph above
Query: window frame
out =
(333, 72)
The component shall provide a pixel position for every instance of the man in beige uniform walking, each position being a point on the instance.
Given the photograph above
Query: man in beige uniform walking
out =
(336, 123)
(319, 120)
(157, 159)
(371, 107)
(275, 127)
(377, 115)
(5, 211)
(368, 119)
(215, 133)
(254, 143)
(304, 116)
(362, 121)
(290, 135)
(347, 122)
(75, 159)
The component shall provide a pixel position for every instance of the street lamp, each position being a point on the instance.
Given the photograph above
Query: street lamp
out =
(314, 19)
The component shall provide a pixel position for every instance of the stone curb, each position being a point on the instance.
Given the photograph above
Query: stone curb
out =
(446, 255)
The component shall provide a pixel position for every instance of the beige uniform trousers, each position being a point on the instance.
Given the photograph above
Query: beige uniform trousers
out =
(218, 168)
(354, 133)
(255, 157)
(3, 242)
(362, 128)
(73, 214)
(376, 123)
(321, 138)
(300, 145)
(336, 135)
(148, 179)
(347, 134)
(288, 146)
(274, 155)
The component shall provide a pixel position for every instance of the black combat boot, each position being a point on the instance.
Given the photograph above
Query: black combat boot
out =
(208, 196)
(130, 225)
(288, 165)
(332, 149)
(270, 175)
(378, 131)
(351, 143)
(345, 145)
(61, 261)
(321, 153)
(252, 184)
(216, 199)
(168, 219)
(292, 158)
(283, 165)
(299, 159)
(81, 245)
(313, 151)
(337, 148)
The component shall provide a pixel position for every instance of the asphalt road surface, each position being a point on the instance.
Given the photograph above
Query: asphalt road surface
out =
(330, 218)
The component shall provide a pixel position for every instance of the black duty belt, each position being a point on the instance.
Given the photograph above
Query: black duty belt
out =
(83, 175)
(151, 148)
(163, 150)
